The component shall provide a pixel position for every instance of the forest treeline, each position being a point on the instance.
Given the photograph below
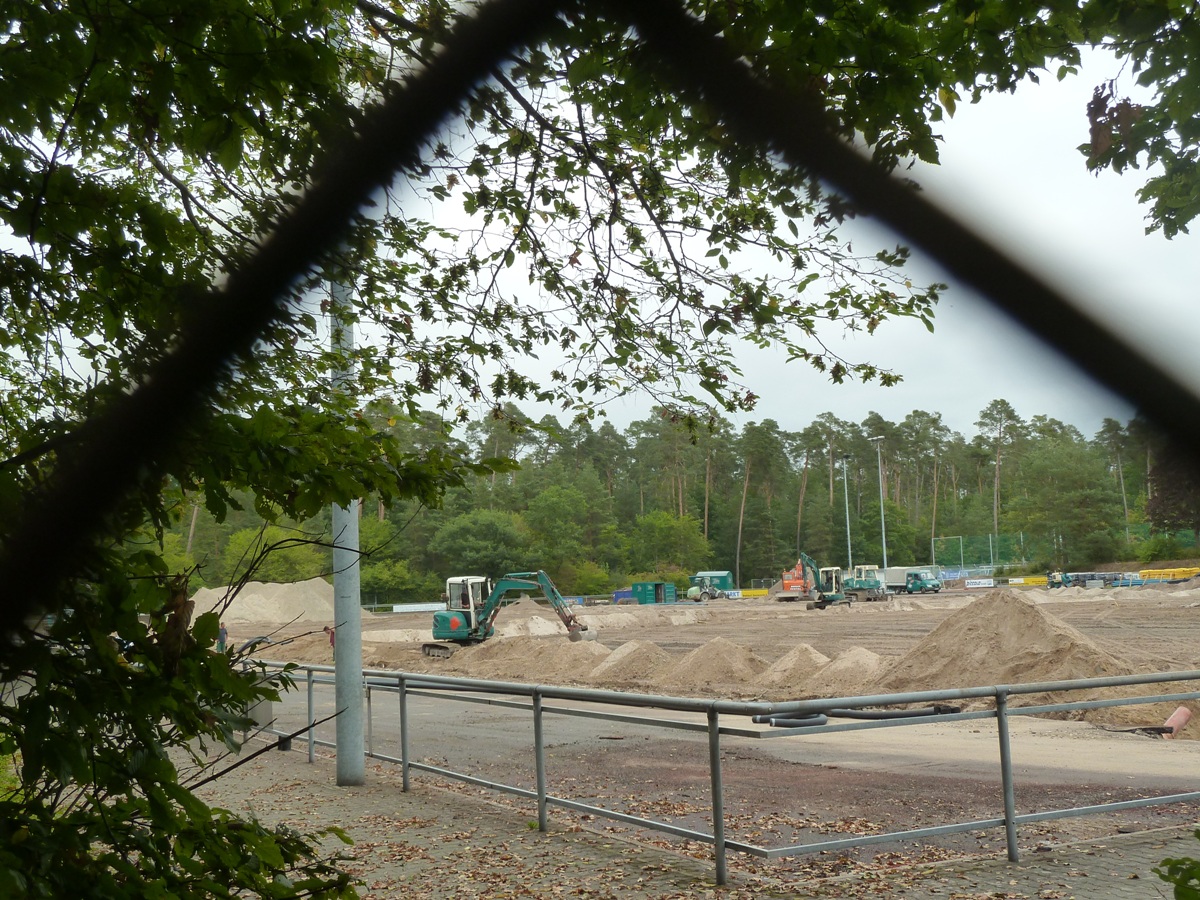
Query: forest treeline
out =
(598, 508)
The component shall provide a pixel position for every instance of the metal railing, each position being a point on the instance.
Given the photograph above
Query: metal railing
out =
(751, 722)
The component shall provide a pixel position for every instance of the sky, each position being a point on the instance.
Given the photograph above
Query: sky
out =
(1010, 168)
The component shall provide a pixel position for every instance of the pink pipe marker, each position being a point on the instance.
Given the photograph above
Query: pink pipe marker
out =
(1177, 722)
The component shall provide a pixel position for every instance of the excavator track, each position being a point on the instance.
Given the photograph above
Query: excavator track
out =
(438, 651)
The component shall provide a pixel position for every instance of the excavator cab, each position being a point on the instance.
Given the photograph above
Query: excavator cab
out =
(467, 594)
(456, 625)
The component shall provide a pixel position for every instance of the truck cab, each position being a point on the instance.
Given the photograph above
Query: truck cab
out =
(921, 581)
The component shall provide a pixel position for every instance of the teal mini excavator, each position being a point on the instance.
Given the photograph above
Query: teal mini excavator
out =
(471, 622)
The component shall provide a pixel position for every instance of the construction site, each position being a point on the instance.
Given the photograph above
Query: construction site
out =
(794, 789)
(756, 648)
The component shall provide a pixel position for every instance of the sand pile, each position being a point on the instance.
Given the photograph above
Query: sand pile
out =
(719, 662)
(304, 601)
(526, 658)
(524, 607)
(847, 674)
(611, 619)
(787, 676)
(1001, 638)
(634, 662)
(399, 636)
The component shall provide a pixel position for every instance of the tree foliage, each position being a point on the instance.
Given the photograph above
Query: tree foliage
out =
(580, 231)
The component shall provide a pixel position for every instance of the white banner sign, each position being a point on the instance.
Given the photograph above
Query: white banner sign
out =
(981, 582)
(1016, 581)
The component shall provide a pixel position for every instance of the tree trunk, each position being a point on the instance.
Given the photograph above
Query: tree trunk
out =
(192, 527)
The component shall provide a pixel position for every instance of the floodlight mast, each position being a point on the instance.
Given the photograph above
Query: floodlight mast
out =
(878, 442)
(846, 494)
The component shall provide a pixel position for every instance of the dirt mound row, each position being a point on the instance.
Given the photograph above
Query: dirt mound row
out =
(1001, 637)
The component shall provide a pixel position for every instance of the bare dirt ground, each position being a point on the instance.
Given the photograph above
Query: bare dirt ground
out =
(760, 649)
(764, 650)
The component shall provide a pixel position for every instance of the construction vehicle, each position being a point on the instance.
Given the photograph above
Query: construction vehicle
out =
(830, 589)
(896, 577)
(822, 587)
(710, 585)
(796, 582)
(866, 583)
(460, 626)
(921, 581)
(703, 588)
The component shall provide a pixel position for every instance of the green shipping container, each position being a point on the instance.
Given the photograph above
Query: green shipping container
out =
(653, 592)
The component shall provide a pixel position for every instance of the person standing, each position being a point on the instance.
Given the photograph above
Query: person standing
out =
(332, 641)
(222, 638)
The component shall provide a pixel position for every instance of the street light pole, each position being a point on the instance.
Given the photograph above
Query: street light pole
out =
(877, 441)
(846, 494)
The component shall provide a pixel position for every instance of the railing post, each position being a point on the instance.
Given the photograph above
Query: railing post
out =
(718, 794)
(539, 758)
(312, 717)
(402, 684)
(370, 723)
(1006, 777)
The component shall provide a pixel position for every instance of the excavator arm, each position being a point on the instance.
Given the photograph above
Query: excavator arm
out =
(576, 630)
(814, 571)
(456, 627)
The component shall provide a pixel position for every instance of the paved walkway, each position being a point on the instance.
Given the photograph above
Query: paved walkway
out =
(1115, 868)
(437, 843)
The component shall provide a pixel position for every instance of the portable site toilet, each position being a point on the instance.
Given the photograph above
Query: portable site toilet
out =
(653, 592)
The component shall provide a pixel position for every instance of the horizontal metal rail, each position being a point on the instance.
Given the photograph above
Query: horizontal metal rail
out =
(531, 698)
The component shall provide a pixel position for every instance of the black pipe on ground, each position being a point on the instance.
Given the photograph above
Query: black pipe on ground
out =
(802, 722)
(869, 714)
(936, 710)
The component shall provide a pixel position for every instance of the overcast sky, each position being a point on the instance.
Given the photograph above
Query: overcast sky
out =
(1010, 168)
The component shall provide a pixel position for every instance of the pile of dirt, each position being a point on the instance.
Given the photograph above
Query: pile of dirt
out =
(1005, 638)
(256, 602)
(526, 606)
(847, 674)
(787, 677)
(526, 658)
(719, 663)
(634, 662)
(1001, 638)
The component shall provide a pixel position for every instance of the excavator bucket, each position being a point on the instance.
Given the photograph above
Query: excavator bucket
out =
(583, 634)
